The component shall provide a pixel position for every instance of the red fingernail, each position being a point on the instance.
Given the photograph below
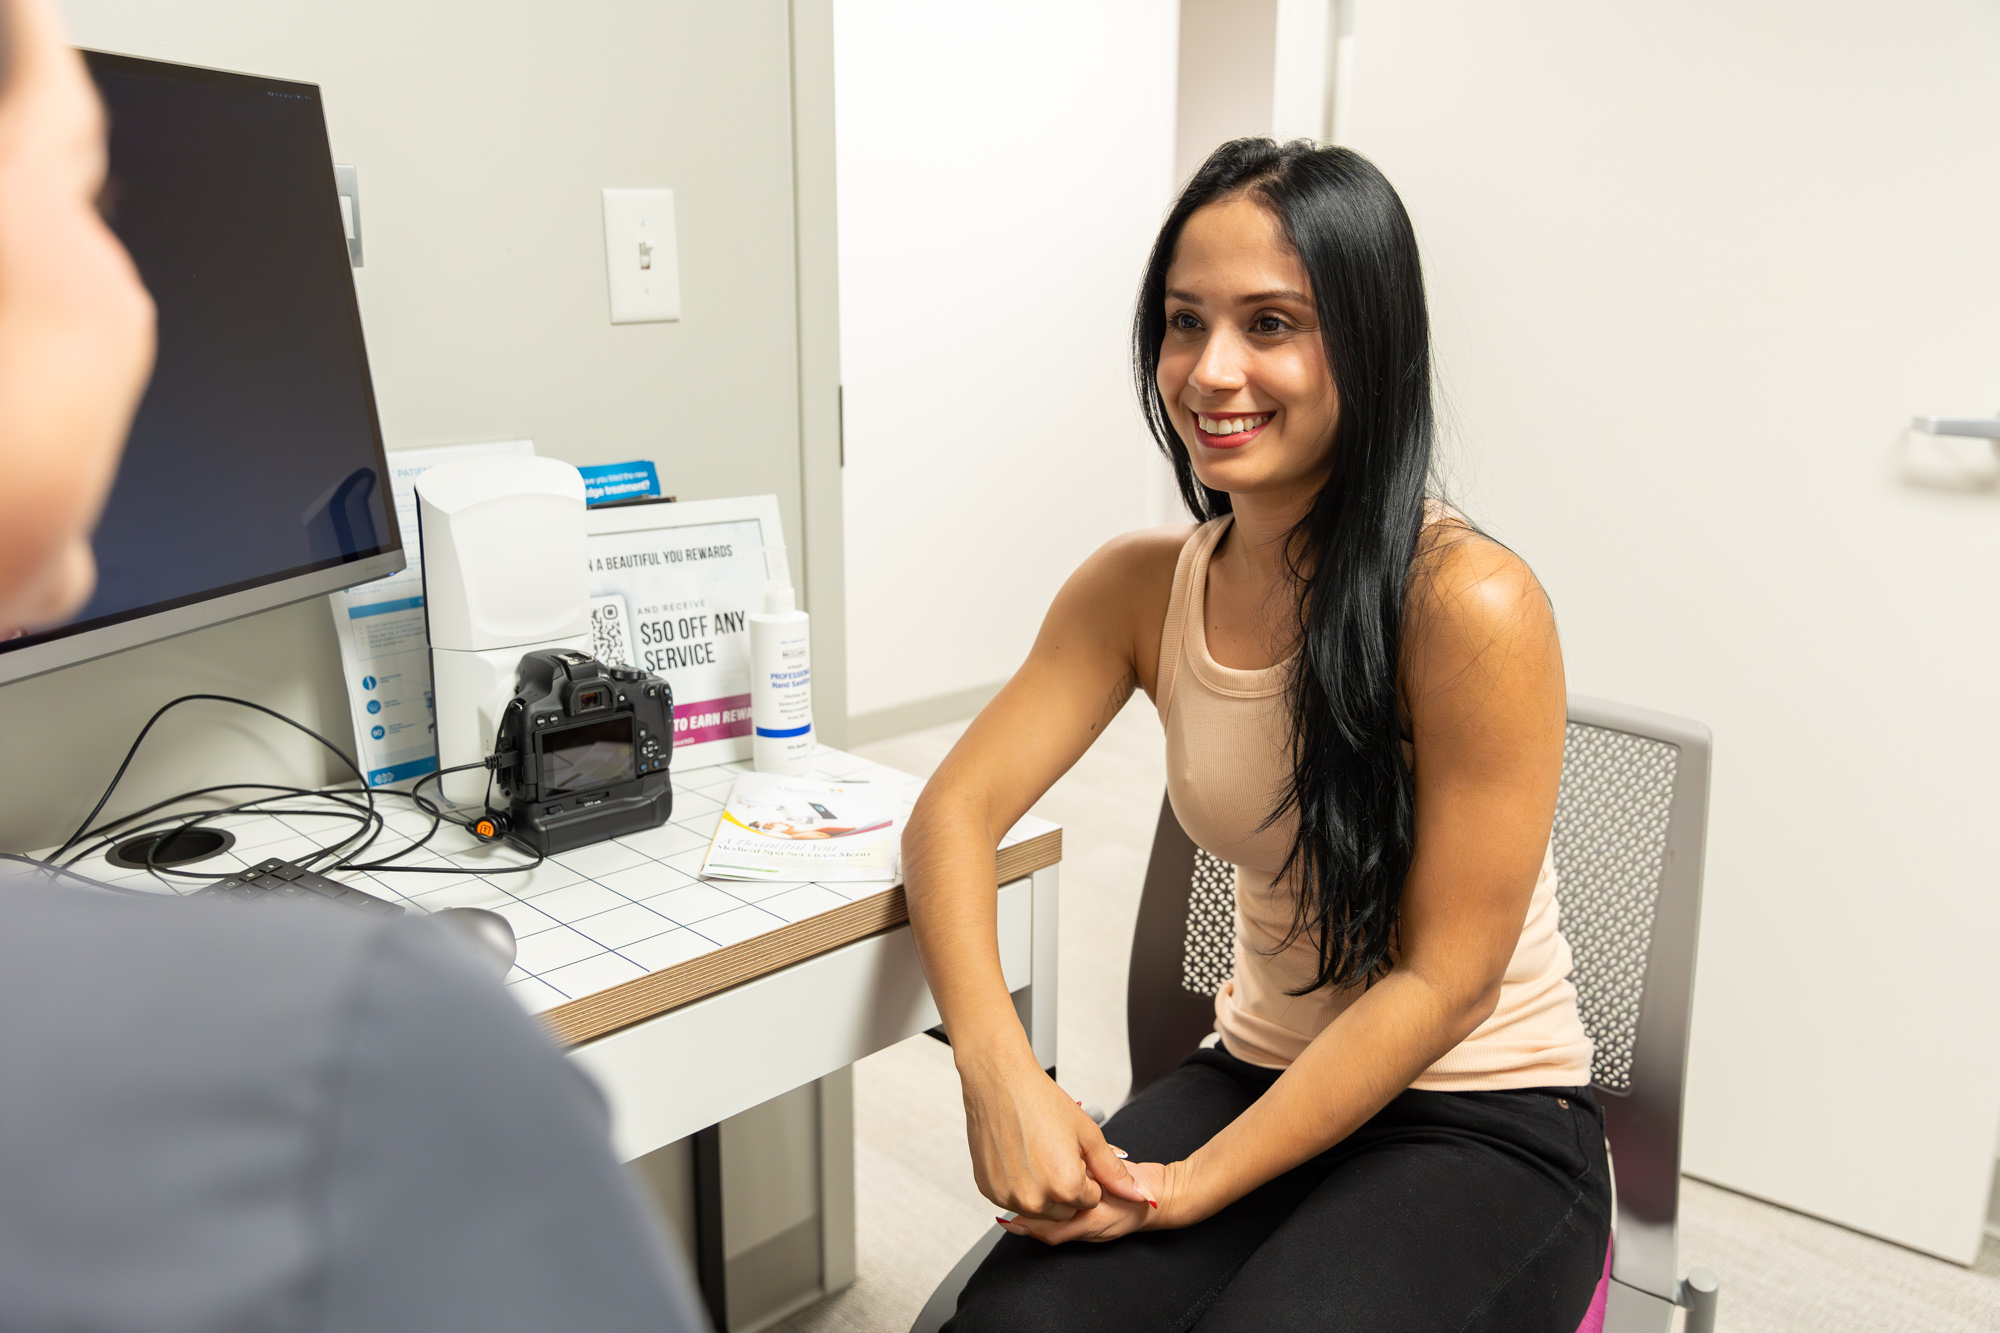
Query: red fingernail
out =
(1001, 1220)
(1151, 1204)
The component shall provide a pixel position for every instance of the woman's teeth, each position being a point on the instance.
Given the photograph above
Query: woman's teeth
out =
(1232, 425)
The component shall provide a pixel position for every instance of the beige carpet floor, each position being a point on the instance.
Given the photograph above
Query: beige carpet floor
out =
(918, 1210)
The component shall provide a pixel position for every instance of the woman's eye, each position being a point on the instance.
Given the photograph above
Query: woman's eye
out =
(1183, 319)
(1269, 324)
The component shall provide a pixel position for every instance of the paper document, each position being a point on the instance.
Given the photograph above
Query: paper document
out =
(781, 828)
(385, 652)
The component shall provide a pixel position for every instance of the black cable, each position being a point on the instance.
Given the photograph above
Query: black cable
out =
(421, 803)
(368, 816)
(184, 820)
(83, 828)
(110, 824)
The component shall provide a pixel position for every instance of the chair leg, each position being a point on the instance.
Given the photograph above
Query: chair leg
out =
(1630, 1310)
(943, 1303)
(1698, 1296)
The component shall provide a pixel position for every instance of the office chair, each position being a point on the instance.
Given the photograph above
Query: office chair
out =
(1630, 828)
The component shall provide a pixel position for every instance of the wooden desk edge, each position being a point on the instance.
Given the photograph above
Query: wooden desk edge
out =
(654, 994)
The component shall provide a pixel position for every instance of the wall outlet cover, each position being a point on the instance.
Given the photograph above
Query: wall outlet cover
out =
(641, 258)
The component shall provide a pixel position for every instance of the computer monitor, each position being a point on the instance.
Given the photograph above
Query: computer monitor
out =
(254, 474)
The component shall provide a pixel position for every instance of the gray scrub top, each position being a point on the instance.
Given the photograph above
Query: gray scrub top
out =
(282, 1118)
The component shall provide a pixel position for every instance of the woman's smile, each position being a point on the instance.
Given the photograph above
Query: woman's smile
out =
(1231, 432)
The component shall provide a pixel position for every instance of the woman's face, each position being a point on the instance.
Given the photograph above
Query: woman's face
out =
(1242, 368)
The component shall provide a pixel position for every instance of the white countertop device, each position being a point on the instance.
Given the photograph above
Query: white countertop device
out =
(504, 574)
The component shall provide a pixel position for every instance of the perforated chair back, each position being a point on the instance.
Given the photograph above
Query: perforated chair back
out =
(1183, 949)
(1630, 839)
(1631, 821)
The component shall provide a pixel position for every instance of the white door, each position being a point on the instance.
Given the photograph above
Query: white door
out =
(1693, 269)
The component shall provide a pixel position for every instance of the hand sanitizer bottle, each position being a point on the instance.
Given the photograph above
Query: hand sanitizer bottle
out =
(780, 676)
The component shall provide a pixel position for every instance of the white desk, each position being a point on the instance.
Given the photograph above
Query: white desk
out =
(692, 1000)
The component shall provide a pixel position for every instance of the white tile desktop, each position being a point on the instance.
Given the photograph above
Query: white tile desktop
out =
(578, 901)
(666, 840)
(695, 903)
(675, 946)
(593, 974)
(756, 891)
(547, 950)
(601, 858)
(735, 926)
(647, 881)
(623, 925)
(802, 902)
(586, 919)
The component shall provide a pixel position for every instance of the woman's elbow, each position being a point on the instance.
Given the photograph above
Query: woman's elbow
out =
(1463, 1001)
(1478, 1005)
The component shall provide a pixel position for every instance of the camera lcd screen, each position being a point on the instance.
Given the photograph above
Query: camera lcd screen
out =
(595, 754)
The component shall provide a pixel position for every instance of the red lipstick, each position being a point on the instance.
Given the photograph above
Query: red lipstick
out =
(1237, 440)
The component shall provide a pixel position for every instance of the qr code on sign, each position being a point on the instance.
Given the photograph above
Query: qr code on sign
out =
(608, 617)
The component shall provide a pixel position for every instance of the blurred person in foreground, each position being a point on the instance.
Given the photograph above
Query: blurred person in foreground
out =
(267, 1120)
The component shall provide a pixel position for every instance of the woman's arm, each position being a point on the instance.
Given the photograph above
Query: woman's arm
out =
(1033, 1150)
(1487, 703)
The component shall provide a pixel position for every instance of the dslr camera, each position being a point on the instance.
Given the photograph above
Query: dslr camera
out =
(583, 749)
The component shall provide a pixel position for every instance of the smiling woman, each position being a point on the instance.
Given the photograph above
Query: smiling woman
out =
(1363, 702)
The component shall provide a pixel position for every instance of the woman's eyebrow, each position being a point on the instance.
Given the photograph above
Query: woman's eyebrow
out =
(1253, 298)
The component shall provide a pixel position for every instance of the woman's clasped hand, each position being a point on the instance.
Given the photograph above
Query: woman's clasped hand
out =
(1038, 1155)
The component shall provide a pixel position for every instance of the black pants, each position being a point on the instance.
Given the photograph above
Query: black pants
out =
(1447, 1210)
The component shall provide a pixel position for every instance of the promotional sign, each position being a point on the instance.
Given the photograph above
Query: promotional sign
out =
(672, 587)
(385, 653)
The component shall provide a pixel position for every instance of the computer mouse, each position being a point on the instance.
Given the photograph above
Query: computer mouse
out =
(488, 931)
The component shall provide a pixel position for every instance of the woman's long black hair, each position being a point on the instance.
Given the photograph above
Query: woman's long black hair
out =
(1351, 555)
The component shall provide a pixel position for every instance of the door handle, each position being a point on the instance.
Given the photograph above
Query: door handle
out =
(1985, 428)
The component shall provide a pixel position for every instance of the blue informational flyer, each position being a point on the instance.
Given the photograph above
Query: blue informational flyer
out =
(607, 483)
(385, 651)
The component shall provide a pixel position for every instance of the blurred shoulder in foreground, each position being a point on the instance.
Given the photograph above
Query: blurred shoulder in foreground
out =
(213, 1117)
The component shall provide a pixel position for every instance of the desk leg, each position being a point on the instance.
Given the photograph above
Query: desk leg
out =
(773, 1228)
(836, 1180)
(1038, 1003)
(711, 1269)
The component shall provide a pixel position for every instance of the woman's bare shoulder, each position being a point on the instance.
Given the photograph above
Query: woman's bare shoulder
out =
(1468, 587)
(1142, 558)
(1118, 597)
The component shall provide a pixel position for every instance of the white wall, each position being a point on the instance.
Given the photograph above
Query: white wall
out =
(483, 133)
(1227, 76)
(1693, 267)
(1002, 171)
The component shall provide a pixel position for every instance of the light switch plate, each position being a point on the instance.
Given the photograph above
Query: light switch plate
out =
(347, 183)
(640, 256)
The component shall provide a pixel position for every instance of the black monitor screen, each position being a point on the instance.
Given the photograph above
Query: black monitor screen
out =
(256, 455)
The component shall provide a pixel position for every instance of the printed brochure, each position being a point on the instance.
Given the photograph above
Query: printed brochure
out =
(780, 828)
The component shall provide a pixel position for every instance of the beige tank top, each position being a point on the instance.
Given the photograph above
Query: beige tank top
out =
(1227, 764)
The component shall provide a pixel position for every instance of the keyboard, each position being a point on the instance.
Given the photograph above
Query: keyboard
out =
(276, 881)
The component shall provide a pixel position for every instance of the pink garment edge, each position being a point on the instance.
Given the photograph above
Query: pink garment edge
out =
(1593, 1318)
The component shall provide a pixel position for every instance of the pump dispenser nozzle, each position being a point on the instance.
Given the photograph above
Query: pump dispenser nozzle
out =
(779, 595)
